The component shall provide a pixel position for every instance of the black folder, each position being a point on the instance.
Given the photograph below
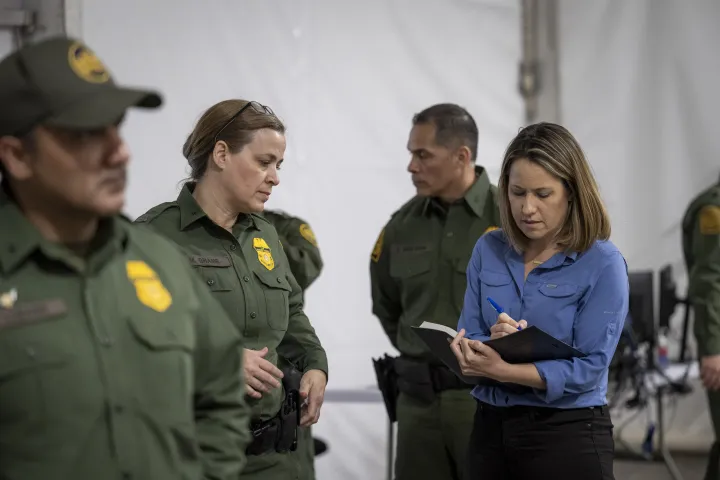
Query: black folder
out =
(526, 346)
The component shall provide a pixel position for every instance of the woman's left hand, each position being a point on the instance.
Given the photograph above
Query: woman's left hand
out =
(312, 392)
(477, 359)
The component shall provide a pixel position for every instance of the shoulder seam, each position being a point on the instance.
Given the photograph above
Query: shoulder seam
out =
(154, 212)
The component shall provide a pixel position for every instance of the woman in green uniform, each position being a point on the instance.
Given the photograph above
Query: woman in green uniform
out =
(235, 152)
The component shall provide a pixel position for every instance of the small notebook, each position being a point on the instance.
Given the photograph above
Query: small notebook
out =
(526, 346)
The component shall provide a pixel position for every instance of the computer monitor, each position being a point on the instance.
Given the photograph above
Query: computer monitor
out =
(668, 296)
(642, 305)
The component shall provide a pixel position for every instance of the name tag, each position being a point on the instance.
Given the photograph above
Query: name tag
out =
(210, 261)
(412, 248)
(32, 312)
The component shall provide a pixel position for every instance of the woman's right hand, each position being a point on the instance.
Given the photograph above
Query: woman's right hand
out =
(260, 375)
(505, 326)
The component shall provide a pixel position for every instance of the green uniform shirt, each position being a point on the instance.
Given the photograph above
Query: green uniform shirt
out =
(418, 265)
(701, 248)
(248, 271)
(116, 366)
(300, 245)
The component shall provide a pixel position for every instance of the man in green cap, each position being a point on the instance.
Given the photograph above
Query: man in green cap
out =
(701, 248)
(417, 273)
(300, 245)
(115, 360)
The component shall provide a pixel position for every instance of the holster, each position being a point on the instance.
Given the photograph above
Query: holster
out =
(279, 433)
(422, 381)
(387, 381)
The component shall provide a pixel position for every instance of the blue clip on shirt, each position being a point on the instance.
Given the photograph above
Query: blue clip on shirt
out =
(581, 299)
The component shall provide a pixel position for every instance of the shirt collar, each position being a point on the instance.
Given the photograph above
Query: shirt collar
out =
(191, 212)
(475, 197)
(560, 258)
(23, 239)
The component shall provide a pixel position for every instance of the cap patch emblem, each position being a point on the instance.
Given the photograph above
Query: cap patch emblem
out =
(86, 65)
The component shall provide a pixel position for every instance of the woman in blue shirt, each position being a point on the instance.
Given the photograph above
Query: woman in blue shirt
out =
(551, 265)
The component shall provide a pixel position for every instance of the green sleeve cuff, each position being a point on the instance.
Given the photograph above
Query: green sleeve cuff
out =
(317, 361)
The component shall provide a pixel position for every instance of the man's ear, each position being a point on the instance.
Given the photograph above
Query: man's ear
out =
(15, 158)
(464, 155)
(220, 154)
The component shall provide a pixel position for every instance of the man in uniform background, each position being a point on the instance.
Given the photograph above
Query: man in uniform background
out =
(115, 359)
(298, 241)
(418, 273)
(701, 248)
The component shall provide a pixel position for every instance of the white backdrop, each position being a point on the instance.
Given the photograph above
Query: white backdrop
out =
(638, 89)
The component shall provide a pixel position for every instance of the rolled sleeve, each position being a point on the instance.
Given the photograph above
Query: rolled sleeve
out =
(596, 332)
(554, 380)
(471, 318)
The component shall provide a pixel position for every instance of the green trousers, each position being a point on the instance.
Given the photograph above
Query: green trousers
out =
(432, 439)
(306, 453)
(297, 465)
(713, 468)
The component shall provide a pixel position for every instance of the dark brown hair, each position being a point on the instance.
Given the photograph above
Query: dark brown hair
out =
(239, 132)
(555, 149)
(454, 126)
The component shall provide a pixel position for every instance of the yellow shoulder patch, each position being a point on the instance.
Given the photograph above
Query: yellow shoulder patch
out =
(263, 252)
(308, 234)
(490, 229)
(710, 220)
(377, 249)
(148, 287)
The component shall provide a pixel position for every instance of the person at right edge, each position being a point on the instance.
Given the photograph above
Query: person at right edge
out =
(701, 249)
(235, 152)
(552, 266)
(303, 253)
(417, 273)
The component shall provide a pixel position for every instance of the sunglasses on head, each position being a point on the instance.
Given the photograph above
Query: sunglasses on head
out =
(258, 107)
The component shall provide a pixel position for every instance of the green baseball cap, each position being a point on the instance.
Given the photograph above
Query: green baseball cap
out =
(60, 82)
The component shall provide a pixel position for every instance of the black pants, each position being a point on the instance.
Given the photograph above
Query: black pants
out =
(527, 443)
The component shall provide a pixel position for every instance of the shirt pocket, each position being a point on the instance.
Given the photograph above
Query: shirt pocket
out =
(31, 357)
(411, 271)
(276, 290)
(216, 278)
(499, 287)
(558, 304)
(164, 378)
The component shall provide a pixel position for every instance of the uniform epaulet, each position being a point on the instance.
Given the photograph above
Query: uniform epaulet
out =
(408, 207)
(276, 211)
(154, 212)
(258, 216)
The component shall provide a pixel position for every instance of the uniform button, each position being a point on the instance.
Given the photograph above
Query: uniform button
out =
(211, 282)
(106, 342)
(279, 280)
(233, 247)
(246, 278)
(253, 315)
(30, 352)
(450, 234)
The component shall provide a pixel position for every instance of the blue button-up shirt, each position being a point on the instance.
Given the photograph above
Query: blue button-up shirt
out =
(579, 298)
